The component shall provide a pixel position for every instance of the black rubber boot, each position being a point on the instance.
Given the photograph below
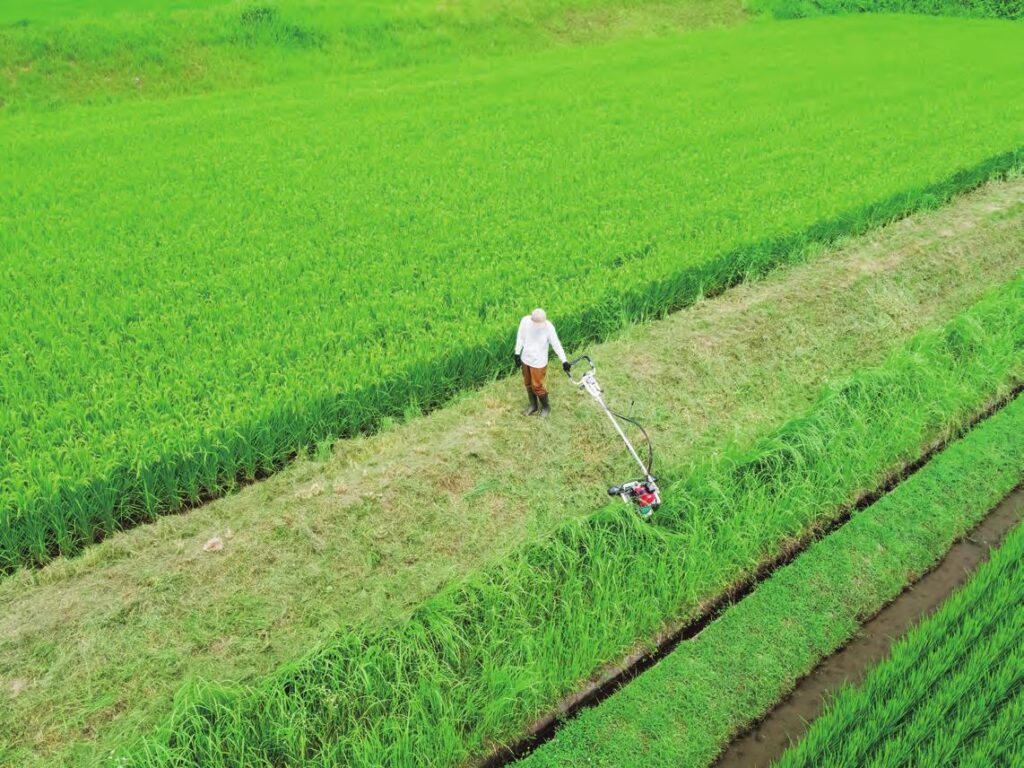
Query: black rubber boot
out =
(533, 405)
(545, 409)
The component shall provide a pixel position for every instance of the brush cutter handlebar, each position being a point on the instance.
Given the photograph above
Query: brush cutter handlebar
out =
(579, 381)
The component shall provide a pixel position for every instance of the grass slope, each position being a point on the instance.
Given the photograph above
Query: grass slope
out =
(57, 53)
(199, 289)
(475, 663)
(792, 9)
(685, 710)
(367, 534)
(950, 692)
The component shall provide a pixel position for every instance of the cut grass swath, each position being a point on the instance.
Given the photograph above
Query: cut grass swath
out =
(482, 659)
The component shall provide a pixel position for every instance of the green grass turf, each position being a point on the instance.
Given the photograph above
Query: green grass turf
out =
(951, 691)
(196, 289)
(356, 11)
(54, 10)
(58, 52)
(684, 710)
(368, 533)
(482, 658)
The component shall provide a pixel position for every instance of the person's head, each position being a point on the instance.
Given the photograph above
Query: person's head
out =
(539, 316)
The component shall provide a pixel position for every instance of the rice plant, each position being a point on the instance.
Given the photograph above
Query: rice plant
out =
(195, 291)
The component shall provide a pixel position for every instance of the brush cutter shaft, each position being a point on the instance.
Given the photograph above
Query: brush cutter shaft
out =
(642, 495)
(588, 382)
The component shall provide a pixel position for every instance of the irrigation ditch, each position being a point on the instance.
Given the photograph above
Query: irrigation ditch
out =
(648, 654)
(767, 739)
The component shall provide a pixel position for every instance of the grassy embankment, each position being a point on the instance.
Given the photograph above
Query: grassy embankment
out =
(1010, 10)
(55, 53)
(367, 534)
(485, 656)
(198, 289)
(913, 710)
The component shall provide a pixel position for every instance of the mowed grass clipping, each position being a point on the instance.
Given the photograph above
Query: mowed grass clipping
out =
(194, 291)
(477, 662)
(951, 692)
(685, 710)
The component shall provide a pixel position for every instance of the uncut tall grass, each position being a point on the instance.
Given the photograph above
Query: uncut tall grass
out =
(744, 663)
(476, 663)
(195, 290)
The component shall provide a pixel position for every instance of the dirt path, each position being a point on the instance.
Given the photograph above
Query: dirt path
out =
(93, 649)
(791, 718)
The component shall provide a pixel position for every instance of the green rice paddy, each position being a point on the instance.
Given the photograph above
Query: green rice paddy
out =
(364, 534)
(234, 234)
(198, 289)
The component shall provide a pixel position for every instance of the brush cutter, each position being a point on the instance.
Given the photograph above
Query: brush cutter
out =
(642, 494)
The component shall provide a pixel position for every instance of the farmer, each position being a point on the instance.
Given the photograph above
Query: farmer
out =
(532, 341)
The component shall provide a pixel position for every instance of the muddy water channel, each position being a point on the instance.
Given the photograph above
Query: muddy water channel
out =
(789, 720)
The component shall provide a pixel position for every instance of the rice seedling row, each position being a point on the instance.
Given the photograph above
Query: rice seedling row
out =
(949, 693)
(180, 313)
(485, 657)
(688, 707)
(1002, 742)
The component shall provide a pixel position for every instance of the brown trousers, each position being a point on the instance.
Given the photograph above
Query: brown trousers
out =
(534, 379)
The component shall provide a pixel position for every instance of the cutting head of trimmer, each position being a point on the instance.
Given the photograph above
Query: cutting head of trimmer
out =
(643, 494)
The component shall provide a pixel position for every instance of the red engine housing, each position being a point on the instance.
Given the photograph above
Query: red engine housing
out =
(643, 493)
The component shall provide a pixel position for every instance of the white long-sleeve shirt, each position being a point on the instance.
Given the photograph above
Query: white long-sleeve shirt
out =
(532, 342)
